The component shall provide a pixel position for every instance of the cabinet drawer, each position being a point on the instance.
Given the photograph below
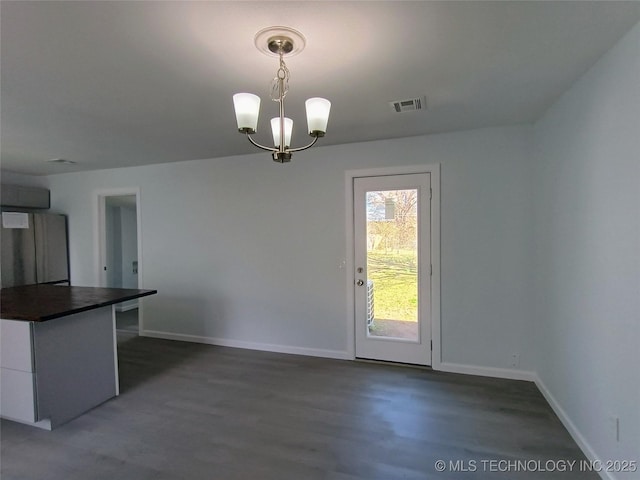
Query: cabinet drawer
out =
(17, 395)
(16, 345)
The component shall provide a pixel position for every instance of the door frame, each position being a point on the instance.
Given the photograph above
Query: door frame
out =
(100, 238)
(349, 264)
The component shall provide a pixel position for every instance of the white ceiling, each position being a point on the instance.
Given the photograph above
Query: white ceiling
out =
(112, 84)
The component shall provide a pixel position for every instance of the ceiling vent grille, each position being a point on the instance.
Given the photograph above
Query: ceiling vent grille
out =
(62, 161)
(409, 105)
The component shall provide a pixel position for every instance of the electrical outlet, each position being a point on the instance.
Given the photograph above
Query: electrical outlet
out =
(515, 360)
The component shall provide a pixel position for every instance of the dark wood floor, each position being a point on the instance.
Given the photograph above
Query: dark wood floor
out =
(189, 411)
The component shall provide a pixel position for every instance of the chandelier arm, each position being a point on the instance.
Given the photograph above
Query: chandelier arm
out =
(299, 149)
(268, 149)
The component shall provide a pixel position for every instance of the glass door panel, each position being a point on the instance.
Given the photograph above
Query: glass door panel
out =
(392, 264)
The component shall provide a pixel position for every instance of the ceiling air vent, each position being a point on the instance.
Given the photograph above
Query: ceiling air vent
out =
(62, 161)
(409, 105)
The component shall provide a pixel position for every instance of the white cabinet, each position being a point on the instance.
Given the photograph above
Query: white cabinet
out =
(55, 370)
(17, 398)
(17, 380)
(16, 346)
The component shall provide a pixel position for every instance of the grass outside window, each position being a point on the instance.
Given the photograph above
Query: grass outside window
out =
(395, 277)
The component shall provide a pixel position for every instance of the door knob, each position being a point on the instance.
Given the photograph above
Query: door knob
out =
(360, 283)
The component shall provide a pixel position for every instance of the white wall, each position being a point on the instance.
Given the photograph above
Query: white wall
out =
(587, 253)
(247, 250)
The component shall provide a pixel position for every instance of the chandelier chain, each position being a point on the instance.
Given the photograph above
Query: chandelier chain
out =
(280, 83)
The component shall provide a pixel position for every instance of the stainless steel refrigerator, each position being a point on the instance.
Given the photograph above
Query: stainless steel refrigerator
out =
(34, 248)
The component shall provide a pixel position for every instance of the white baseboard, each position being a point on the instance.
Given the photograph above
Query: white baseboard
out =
(486, 371)
(266, 347)
(571, 427)
(126, 306)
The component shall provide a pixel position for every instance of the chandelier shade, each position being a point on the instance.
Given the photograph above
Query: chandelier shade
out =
(317, 115)
(247, 107)
(280, 41)
(275, 130)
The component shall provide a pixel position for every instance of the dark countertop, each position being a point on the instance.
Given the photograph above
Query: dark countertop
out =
(38, 303)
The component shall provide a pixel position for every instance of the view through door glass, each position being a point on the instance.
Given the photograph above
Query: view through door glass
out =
(392, 264)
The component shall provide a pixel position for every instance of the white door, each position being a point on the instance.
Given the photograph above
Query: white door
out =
(392, 235)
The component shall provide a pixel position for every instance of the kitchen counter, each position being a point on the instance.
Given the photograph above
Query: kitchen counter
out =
(58, 351)
(39, 303)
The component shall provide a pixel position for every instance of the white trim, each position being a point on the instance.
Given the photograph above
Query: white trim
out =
(99, 247)
(571, 427)
(265, 347)
(436, 356)
(98, 221)
(434, 170)
(126, 306)
(493, 372)
(349, 264)
(115, 349)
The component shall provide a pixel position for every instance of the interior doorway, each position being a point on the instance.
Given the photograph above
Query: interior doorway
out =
(119, 259)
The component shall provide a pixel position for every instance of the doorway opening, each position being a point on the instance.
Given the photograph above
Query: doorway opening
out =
(119, 265)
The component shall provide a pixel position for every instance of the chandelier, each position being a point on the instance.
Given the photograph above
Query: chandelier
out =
(280, 42)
